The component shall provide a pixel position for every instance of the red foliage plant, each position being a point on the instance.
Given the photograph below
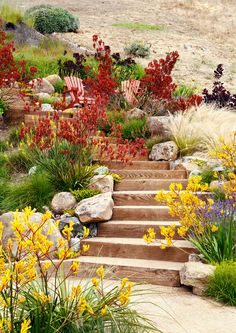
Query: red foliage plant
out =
(102, 84)
(158, 84)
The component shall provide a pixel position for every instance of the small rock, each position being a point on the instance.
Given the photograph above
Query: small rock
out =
(96, 209)
(165, 151)
(196, 274)
(42, 86)
(195, 172)
(62, 201)
(53, 79)
(32, 170)
(46, 107)
(75, 244)
(101, 170)
(187, 166)
(103, 183)
(136, 113)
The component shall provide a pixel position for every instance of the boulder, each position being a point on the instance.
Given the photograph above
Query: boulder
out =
(7, 218)
(187, 166)
(101, 170)
(47, 107)
(42, 95)
(196, 275)
(96, 209)
(103, 183)
(75, 244)
(136, 113)
(62, 201)
(23, 34)
(42, 86)
(159, 125)
(53, 79)
(166, 151)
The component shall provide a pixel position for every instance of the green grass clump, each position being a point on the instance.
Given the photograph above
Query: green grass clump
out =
(138, 49)
(44, 57)
(135, 128)
(84, 193)
(59, 86)
(222, 285)
(137, 26)
(19, 161)
(35, 191)
(4, 170)
(184, 91)
(10, 14)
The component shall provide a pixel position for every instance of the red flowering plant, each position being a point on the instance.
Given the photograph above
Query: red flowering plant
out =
(157, 86)
(12, 71)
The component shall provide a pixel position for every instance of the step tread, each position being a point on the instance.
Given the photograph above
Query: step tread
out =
(141, 207)
(141, 263)
(132, 222)
(135, 241)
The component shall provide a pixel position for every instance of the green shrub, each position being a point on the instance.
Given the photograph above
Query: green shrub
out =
(115, 117)
(184, 91)
(207, 176)
(135, 128)
(222, 285)
(84, 193)
(59, 86)
(138, 49)
(3, 107)
(3, 146)
(53, 19)
(35, 191)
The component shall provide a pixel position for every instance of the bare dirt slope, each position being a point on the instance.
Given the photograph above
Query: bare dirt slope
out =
(203, 31)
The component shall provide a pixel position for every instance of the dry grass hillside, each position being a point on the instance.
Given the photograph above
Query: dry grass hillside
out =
(203, 31)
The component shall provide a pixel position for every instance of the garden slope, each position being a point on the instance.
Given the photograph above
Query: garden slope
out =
(201, 30)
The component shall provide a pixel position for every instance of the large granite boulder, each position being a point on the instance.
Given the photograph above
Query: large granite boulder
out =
(96, 209)
(196, 275)
(103, 183)
(42, 86)
(53, 79)
(7, 218)
(166, 151)
(62, 201)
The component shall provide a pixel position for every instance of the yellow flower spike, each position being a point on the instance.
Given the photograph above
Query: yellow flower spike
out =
(163, 246)
(95, 282)
(214, 228)
(104, 310)
(123, 282)
(86, 232)
(75, 292)
(74, 267)
(86, 248)
(25, 326)
(100, 272)
(46, 266)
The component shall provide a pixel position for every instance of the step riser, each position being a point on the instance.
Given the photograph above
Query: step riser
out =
(146, 185)
(127, 230)
(141, 214)
(158, 174)
(137, 165)
(100, 249)
(163, 277)
(135, 199)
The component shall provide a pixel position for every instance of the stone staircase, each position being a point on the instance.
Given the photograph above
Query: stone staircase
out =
(119, 245)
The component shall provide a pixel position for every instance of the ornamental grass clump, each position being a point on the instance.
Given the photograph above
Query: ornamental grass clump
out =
(209, 223)
(35, 291)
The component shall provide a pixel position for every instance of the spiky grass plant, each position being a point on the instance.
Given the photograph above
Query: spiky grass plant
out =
(202, 129)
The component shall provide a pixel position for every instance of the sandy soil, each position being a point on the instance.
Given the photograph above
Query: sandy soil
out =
(203, 31)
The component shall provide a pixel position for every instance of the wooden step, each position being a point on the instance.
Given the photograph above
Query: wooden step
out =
(128, 198)
(132, 229)
(154, 174)
(142, 213)
(136, 165)
(147, 184)
(136, 248)
(165, 273)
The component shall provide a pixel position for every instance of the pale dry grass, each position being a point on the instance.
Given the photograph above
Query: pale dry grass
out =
(203, 129)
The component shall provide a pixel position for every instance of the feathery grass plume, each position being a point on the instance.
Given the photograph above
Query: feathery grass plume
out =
(202, 129)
